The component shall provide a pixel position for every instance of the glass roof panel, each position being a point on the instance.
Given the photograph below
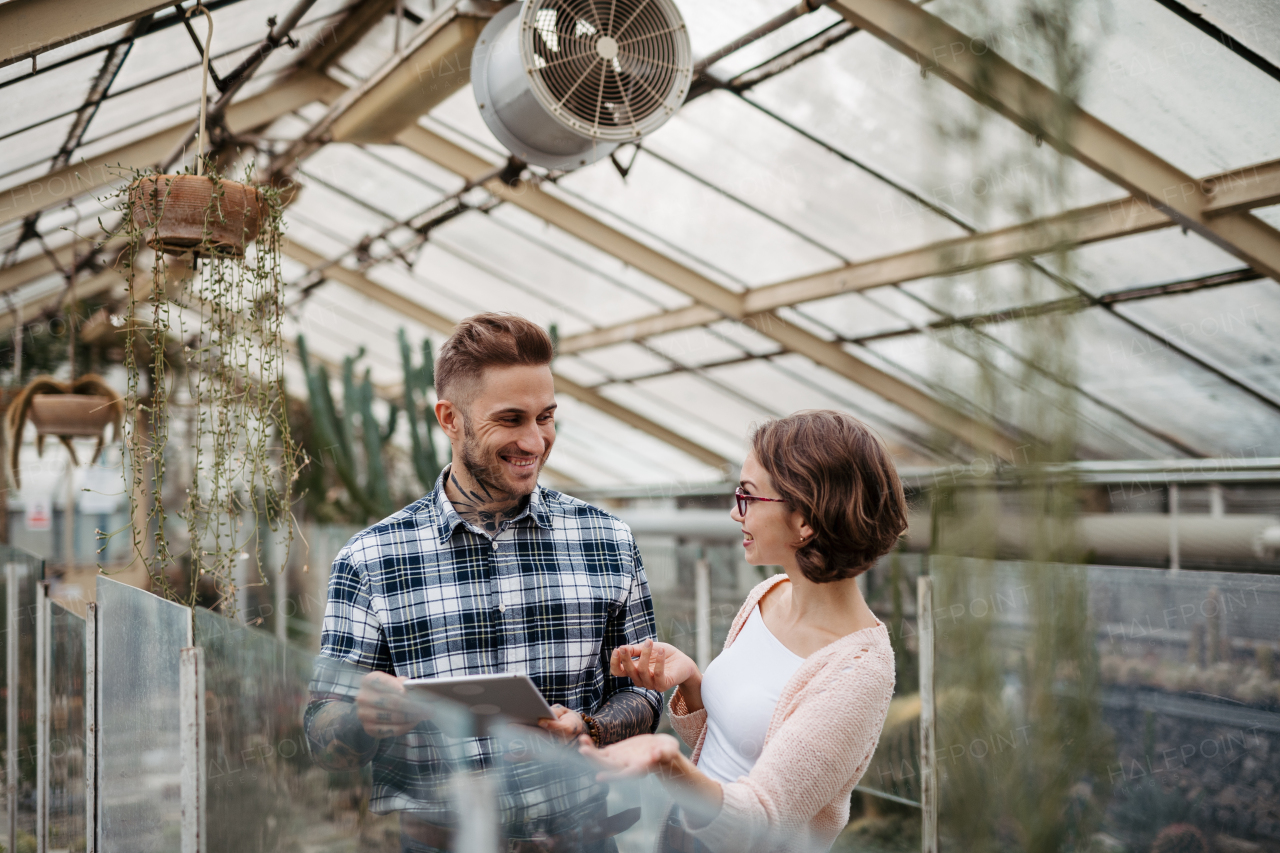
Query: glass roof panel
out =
(1140, 374)
(602, 445)
(865, 99)
(1158, 80)
(744, 245)
(1252, 22)
(34, 149)
(321, 204)
(863, 403)
(701, 423)
(1233, 326)
(569, 249)
(745, 337)
(693, 347)
(852, 315)
(725, 141)
(624, 361)
(764, 380)
(994, 288)
(45, 96)
(580, 371)
(1141, 259)
(576, 292)
(776, 42)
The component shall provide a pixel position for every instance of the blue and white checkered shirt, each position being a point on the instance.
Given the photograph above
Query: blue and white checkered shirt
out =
(424, 593)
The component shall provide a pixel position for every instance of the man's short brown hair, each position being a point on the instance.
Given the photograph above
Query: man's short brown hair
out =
(487, 340)
(832, 469)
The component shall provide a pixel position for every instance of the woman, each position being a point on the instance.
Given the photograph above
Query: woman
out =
(784, 722)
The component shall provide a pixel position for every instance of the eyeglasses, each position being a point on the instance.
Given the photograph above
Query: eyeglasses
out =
(744, 500)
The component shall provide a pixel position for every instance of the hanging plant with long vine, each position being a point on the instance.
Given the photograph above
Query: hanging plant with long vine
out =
(204, 357)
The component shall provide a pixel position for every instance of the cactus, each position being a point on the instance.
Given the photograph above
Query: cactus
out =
(339, 431)
(418, 381)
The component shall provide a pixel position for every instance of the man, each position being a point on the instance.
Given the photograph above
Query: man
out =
(488, 573)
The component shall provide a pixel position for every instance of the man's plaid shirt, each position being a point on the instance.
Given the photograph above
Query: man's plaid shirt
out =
(424, 593)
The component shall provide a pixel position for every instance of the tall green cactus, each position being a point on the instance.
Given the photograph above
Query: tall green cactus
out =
(338, 431)
(418, 382)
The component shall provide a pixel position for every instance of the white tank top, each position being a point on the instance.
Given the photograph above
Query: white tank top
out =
(740, 689)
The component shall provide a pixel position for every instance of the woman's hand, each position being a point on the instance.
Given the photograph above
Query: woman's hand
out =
(633, 757)
(656, 666)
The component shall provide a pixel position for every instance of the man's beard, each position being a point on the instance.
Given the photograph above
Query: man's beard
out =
(489, 473)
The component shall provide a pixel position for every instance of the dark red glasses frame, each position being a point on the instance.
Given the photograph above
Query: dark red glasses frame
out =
(744, 500)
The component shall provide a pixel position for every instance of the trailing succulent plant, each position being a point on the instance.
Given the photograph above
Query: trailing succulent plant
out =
(354, 441)
(204, 356)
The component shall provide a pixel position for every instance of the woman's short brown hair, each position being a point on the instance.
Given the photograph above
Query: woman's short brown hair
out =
(487, 340)
(838, 475)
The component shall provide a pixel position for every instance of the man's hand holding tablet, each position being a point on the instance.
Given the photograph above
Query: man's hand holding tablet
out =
(384, 707)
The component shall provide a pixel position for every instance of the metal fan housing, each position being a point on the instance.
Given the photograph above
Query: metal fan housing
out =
(562, 83)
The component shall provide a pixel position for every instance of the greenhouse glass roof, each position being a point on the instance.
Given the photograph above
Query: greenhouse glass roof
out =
(809, 230)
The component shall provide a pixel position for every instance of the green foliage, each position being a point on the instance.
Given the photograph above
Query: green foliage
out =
(418, 382)
(355, 443)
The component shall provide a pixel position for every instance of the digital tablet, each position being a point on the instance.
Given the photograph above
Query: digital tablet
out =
(506, 695)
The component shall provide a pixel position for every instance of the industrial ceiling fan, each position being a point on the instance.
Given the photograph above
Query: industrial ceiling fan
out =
(562, 83)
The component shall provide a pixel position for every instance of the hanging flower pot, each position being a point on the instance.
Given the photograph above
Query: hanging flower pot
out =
(84, 407)
(193, 213)
(71, 414)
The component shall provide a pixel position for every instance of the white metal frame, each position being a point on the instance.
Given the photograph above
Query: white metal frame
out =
(91, 728)
(43, 642)
(928, 717)
(11, 699)
(191, 715)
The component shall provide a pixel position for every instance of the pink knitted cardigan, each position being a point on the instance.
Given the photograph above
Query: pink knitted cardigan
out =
(821, 737)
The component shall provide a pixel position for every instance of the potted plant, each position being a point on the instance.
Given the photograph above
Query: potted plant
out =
(82, 407)
(197, 213)
(206, 329)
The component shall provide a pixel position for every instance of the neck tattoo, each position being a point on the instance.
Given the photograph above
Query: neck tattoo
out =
(485, 506)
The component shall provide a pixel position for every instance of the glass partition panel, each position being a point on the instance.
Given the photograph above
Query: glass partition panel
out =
(66, 730)
(1105, 708)
(139, 759)
(22, 571)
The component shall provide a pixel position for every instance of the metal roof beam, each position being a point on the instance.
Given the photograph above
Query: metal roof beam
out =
(530, 197)
(31, 27)
(1237, 190)
(414, 311)
(993, 81)
(435, 64)
(92, 174)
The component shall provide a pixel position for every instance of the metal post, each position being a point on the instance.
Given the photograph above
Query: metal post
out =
(42, 716)
(91, 728)
(478, 824)
(280, 587)
(702, 612)
(928, 719)
(1217, 502)
(11, 699)
(1175, 559)
(191, 724)
(69, 518)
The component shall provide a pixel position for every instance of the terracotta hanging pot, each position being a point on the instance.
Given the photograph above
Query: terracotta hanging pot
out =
(71, 414)
(83, 407)
(192, 213)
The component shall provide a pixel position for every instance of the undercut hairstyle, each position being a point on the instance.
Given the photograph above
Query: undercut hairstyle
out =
(838, 475)
(483, 341)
